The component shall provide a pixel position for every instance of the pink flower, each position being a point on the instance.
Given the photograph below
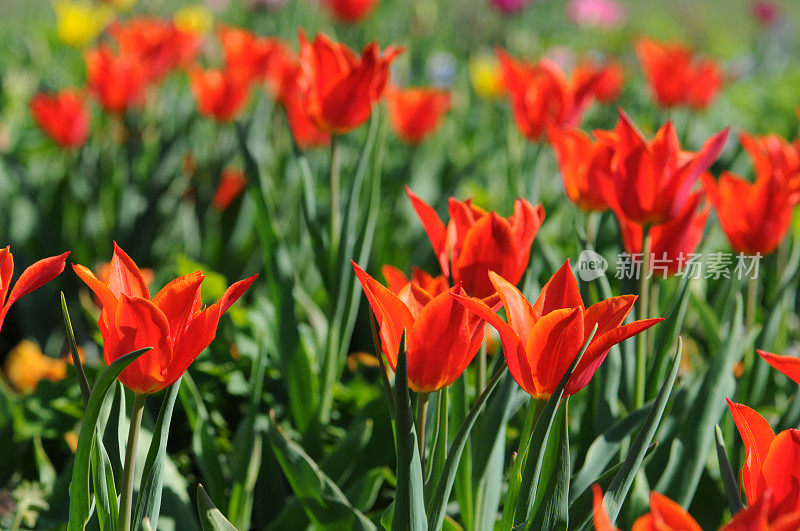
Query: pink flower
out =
(508, 7)
(596, 13)
(765, 11)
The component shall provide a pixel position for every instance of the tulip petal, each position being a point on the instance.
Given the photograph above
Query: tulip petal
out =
(757, 437)
(434, 228)
(488, 246)
(124, 276)
(33, 278)
(669, 515)
(788, 365)
(781, 472)
(6, 272)
(554, 342)
(179, 301)
(519, 312)
(608, 314)
(600, 516)
(395, 279)
(561, 291)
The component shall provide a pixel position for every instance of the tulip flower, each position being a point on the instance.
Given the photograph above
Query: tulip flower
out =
(118, 81)
(396, 280)
(540, 341)
(442, 337)
(475, 242)
(158, 46)
(766, 12)
(653, 180)
(605, 14)
(339, 87)
(772, 462)
(756, 517)
(676, 77)
(33, 278)
(486, 77)
(231, 184)
(350, 11)
(664, 515)
(79, 22)
(541, 95)
(250, 58)
(670, 243)
(415, 113)
(219, 94)
(605, 81)
(509, 7)
(194, 19)
(755, 216)
(773, 155)
(174, 322)
(64, 116)
(305, 131)
(26, 365)
(585, 167)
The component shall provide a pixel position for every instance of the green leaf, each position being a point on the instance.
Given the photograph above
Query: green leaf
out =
(80, 502)
(515, 475)
(73, 348)
(339, 464)
(211, 519)
(726, 471)
(667, 332)
(438, 503)
(541, 432)
(622, 482)
(148, 504)
(551, 506)
(603, 449)
(105, 493)
(436, 461)
(409, 511)
(321, 498)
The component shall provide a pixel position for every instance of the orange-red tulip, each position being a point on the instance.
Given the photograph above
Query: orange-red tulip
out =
(442, 337)
(63, 115)
(231, 184)
(756, 517)
(755, 216)
(33, 278)
(653, 180)
(664, 515)
(604, 81)
(670, 243)
(305, 131)
(676, 77)
(251, 58)
(416, 112)
(541, 95)
(396, 280)
(773, 155)
(155, 44)
(475, 242)
(174, 322)
(118, 81)
(585, 167)
(350, 11)
(339, 87)
(219, 94)
(772, 463)
(541, 340)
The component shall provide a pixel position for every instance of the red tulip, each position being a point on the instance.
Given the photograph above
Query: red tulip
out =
(33, 278)
(415, 113)
(64, 116)
(118, 81)
(664, 515)
(756, 517)
(396, 280)
(442, 337)
(251, 58)
(305, 131)
(541, 95)
(350, 11)
(772, 464)
(585, 167)
(475, 242)
(339, 87)
(773, 154)
(676, 77)
(174, 322)
(755, 216)
(541, 341)
(653, 180)
(218, 93)
(604, 81)
(155, 44)
(670, 243)
(231, 184)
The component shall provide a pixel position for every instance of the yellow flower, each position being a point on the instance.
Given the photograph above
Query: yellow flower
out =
(121, 5)
(26, 365)
(79, 22)
(484, 73)
(194, 19)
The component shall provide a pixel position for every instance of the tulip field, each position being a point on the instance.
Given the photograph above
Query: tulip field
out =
(403, 265)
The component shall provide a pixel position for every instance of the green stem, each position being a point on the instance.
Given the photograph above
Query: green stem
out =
(480, 381)
(592, 220)
(422, 416)
(16, 524)
(641, 338)
(752, 300)
(126, 497)
(335, 214)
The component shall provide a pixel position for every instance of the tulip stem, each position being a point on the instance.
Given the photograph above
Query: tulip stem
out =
(335, 221)
(422, 416)
(480, 381)
(644, 307)
(752, 299)
(126, 497)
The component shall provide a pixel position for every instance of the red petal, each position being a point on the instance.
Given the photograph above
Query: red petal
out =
(179, 301)
(552, 346)
(561, 291)
(519, 312)
(757, 437)
(489, 246)
(600, 516)
(434, 228)
(33, 278)
(395, 279)
(124, 276)
(6, 272)
(788, 365)
(669, 515)
(781, 472)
